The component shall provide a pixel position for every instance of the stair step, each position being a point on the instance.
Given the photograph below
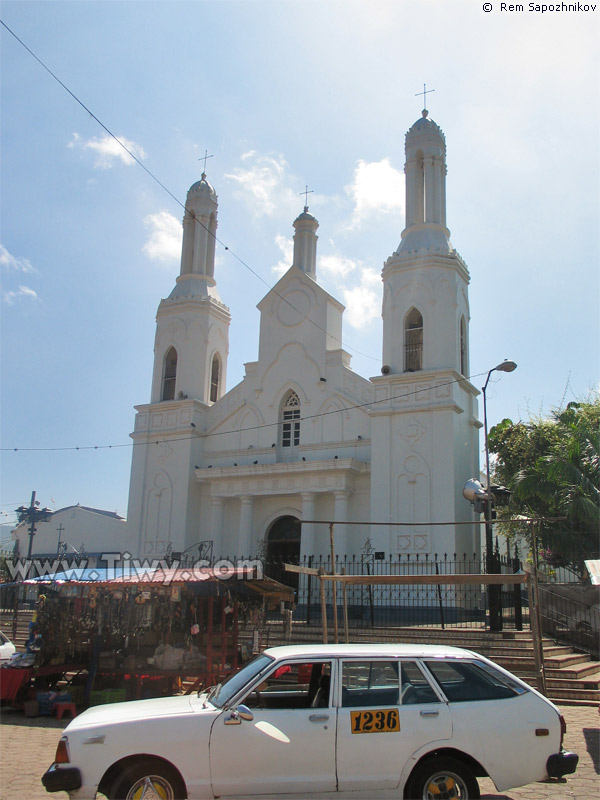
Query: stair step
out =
(567, 660)
(574, 673)
(571, 678)
(566, 683)
(592, 695)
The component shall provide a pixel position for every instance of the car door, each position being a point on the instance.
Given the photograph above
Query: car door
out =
(377, 732)
(498, 720)
(288, 745)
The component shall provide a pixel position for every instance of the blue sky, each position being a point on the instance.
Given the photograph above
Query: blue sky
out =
(282, 94)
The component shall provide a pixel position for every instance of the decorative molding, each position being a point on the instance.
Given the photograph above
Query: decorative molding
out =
(283, 478)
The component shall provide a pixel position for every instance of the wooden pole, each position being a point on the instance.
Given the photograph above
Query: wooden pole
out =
(323, 607)
(345, 606)
(535, 613)
(333, 585)
(209, 638)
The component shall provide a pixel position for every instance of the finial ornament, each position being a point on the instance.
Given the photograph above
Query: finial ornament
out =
(306, 192)
(204, 158)
(425, 92)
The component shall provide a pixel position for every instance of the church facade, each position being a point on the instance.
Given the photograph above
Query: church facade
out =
(303, 440)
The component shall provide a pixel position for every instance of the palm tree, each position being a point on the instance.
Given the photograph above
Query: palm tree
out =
(564, 482)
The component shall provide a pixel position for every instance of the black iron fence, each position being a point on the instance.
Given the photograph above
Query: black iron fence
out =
(451, 604)
(571, 620)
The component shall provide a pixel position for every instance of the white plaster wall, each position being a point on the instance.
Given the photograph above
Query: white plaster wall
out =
(97, 532)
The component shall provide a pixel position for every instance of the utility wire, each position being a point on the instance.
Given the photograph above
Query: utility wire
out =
(367, 404)
(226, 247)
(173, 197)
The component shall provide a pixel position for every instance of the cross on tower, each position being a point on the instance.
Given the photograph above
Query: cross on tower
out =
(306, 192)
(425, 92)
(204, 158)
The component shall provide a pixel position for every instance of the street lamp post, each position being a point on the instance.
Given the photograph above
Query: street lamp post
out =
(493, 591)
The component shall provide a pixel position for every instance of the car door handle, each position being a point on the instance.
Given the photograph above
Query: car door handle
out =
(430, 713)
(319, 717)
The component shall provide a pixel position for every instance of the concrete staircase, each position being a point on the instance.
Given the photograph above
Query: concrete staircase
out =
(571, 678)
(6, 626)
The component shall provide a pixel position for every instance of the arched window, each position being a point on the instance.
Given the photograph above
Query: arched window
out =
(290, 421)
(463, 346)
(169, 375)
(215, 379)
(413, 341)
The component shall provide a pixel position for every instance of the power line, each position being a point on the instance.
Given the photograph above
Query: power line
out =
(236, 430)
(173, 197)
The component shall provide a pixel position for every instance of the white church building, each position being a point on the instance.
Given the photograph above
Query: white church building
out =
(304, 440)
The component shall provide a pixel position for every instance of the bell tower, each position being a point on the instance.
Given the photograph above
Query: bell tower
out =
(190, 367)
(425, 428)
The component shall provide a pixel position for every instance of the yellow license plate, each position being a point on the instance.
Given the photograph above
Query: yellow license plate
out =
(380, 720)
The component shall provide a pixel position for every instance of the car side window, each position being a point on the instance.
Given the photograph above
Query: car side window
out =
(464, 681)
(415, 686)
(370, 683)
(293, 685)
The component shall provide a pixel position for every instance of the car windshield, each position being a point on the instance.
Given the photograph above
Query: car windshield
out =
(222, 693)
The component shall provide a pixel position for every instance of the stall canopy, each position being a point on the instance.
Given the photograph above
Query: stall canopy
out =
(238, 580)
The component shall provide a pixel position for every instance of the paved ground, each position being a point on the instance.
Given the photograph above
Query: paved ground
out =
(27, 748)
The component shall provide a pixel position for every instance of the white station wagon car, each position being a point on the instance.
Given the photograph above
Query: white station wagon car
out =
(322, 721)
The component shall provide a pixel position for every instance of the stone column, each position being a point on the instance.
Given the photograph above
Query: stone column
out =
(200, 244)
(216, 524)
(245, 537)
(307, 543)
(340, 514)
(444, 172)
(410, 169)
(429, 189)
(437, 189)
(187, 246)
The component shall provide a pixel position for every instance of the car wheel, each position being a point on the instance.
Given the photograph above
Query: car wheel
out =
(442, 779)
(148, 780)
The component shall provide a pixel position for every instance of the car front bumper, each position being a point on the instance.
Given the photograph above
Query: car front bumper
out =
(562, 763)
(61, 779)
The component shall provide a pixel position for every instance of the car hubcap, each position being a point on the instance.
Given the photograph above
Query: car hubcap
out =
(445, 786)
(152, 787)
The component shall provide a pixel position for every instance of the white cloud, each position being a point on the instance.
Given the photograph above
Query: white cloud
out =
(377, 188)
(287, 254)
(23, 293)
(336, 266)
(9, 261)
(262, 184)
(363, 301)
(108, 151)
(164, 242)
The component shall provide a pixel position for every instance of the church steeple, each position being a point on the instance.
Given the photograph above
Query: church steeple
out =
(192, 334)
(425, 305)
(197, 273)
(425, 171)
(305, 243)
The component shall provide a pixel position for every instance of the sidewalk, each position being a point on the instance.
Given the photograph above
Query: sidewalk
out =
(27, 748)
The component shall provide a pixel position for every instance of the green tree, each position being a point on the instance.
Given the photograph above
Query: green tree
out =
(552, 467)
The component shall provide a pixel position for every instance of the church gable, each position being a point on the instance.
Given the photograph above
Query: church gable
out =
(298, 309)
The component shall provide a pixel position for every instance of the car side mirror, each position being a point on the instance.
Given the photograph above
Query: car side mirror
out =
(245, 713)
(236, 715)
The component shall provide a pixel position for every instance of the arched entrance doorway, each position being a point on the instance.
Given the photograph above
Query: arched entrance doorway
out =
(283, 545)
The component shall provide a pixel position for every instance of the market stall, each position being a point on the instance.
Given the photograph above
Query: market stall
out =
(145, 635)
